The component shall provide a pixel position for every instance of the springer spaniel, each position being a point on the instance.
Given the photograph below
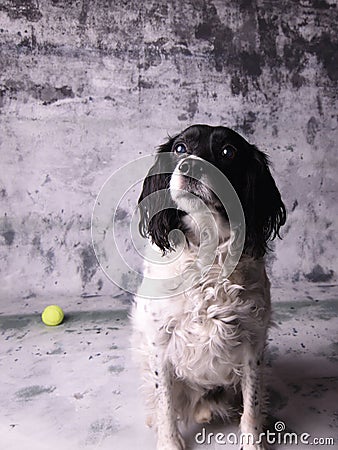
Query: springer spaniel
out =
(200, 326)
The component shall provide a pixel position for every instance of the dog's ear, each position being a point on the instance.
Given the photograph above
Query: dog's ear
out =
(158, 213)
(262, 204)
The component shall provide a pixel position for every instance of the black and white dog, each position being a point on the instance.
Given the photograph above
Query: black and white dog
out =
(199, 344)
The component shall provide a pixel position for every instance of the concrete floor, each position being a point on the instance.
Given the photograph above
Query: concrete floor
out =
(74, 386)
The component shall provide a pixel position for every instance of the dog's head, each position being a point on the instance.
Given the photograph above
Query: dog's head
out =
(183, 171)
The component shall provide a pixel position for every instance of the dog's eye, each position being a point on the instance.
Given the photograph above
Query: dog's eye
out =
(180, 149)
(229, 152)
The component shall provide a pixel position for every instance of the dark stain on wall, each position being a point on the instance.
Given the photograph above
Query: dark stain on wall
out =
(17, 9)
(120, 215)
(247, 125)
(50, 258)
(192, 106)
(318, 275)
(89, 264)
(298, 49)
(268, 34)
(153, 53)
(36, 243)
(221, 37)
(46, 93)
(28, 42)
(326, 51)
(7, 231)
(84, 12)
(311, 130)
(49, 94)
(294, 51)
(239, 85)
(99, 284)
(231, 51)
(237, 52)
(29, 392)
(294, 206)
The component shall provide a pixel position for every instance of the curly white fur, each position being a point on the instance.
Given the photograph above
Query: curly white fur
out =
(208, 341)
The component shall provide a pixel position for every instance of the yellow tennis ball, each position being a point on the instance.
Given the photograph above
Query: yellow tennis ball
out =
(52, 315)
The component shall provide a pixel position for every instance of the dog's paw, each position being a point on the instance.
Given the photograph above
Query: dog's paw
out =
(252, 441)
(175, 443)
(254, 447)
(258, 445)
(203, 413)
(150, 421)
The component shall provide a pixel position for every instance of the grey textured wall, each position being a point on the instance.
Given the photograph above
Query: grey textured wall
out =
(87, 86)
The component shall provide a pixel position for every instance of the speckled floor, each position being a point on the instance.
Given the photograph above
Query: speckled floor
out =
(74, 386)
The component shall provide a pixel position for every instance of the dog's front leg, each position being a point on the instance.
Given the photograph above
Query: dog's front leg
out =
(251, 426)
(168, 435)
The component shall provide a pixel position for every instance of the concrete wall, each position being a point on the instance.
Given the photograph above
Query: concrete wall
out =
(87, 86)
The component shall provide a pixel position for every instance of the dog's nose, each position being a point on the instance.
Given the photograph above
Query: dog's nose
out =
(191, 167)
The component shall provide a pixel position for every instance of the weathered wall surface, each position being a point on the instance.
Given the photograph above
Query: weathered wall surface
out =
(87, 86)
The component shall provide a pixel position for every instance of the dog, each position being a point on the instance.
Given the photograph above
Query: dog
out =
(200, 334)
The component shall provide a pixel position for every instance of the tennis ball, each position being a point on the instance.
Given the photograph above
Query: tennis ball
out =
(52, 315)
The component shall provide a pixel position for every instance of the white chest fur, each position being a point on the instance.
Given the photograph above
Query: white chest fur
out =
(201, 330)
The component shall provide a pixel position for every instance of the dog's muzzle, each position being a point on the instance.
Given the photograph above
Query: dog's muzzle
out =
(191, 167)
